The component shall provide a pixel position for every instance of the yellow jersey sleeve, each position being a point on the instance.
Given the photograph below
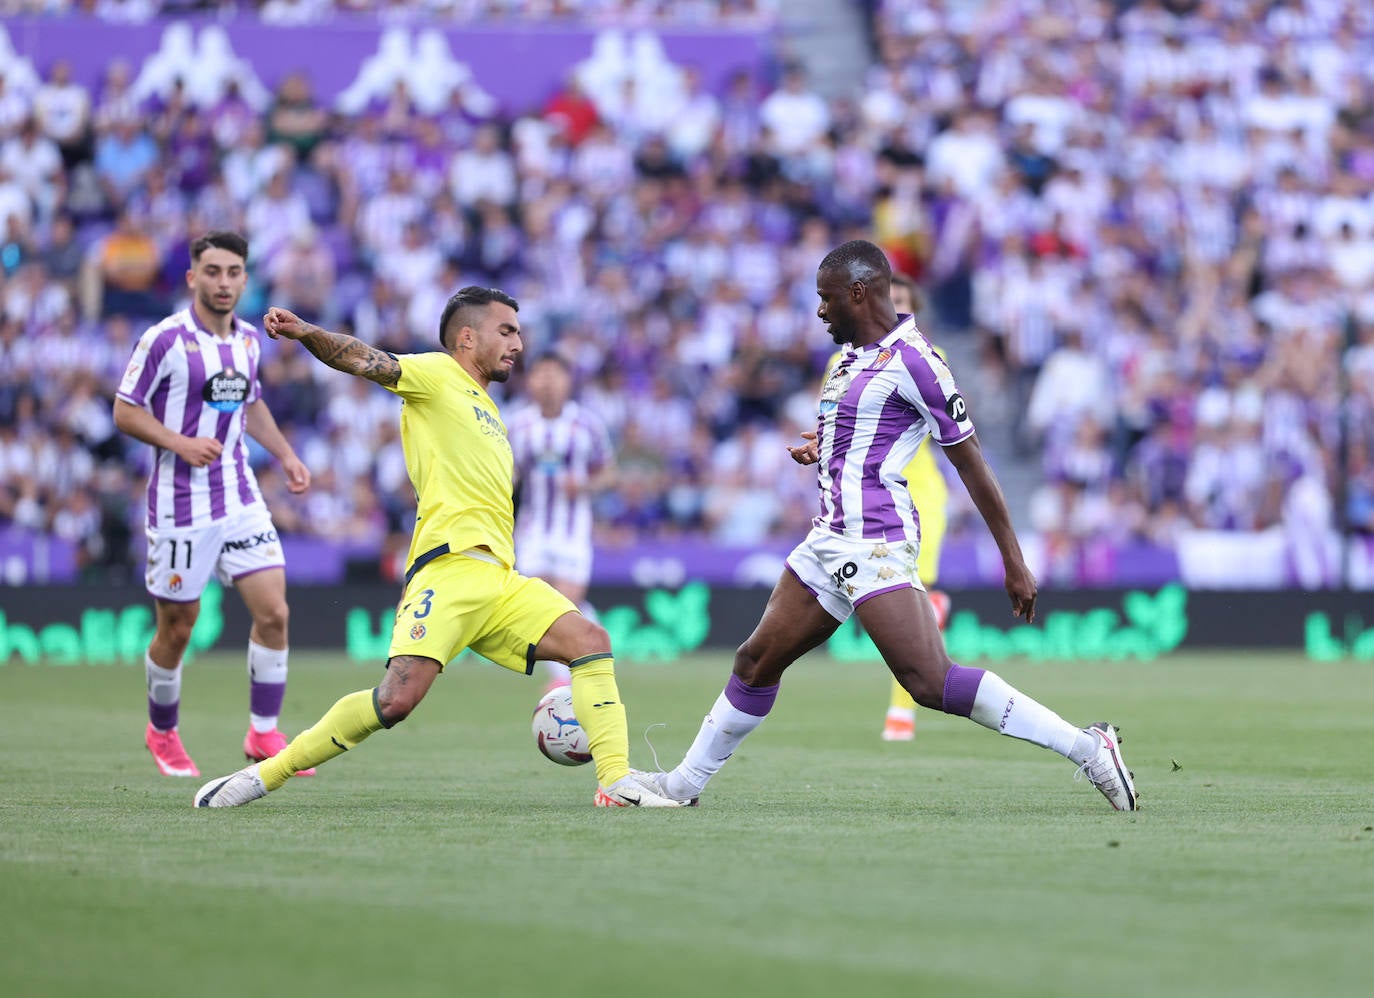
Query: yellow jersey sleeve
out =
(421, 374)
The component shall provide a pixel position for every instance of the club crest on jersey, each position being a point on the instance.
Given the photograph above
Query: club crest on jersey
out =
(226, 390)
(880, 361)
(417, 632)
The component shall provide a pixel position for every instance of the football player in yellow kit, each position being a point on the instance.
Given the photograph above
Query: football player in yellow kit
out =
(462, 590)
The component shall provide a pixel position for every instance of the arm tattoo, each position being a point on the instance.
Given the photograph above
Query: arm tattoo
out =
(352, 356)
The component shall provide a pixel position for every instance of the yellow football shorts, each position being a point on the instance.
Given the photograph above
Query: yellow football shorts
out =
(458, 601)
(934, 523)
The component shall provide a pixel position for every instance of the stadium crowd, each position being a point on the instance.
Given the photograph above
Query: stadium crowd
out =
(1156, 219)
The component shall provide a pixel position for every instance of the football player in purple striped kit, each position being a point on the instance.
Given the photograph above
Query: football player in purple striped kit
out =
(888, 391)
(191, 390)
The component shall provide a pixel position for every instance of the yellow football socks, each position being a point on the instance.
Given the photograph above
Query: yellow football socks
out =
(343, 725)
(596, 702)
(901, 699)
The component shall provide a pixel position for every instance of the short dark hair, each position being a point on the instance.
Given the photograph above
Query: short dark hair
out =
(858, 260)
(471, 297)
(220, 239)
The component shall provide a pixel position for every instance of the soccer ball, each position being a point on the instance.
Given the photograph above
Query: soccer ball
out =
(556, 731)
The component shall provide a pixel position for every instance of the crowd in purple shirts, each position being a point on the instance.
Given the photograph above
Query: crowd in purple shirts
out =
(1156, 219)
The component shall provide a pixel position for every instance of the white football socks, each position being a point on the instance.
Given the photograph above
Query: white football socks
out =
(721, 732)
(1002, 707)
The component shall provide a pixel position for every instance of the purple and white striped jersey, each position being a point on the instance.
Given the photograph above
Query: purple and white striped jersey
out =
(877, 405)
(549, 453)
(200, 386)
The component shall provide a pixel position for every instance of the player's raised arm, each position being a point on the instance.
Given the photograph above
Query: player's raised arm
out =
(339, 350)
(967, 457)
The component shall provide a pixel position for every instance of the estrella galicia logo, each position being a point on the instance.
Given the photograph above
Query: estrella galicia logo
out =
(226, 390)
(956, 408)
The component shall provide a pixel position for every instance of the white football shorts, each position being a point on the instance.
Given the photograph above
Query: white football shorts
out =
(552, 557)
(180, 559)
(841, 572)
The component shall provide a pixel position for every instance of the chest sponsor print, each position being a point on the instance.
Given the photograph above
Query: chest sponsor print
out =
(226, 390)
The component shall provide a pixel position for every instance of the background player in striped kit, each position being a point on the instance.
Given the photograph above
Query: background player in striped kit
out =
(563, 458)
(888, 392)
(191, 390)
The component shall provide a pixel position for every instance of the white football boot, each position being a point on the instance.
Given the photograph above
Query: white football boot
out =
(232, 790)
(1107, 771)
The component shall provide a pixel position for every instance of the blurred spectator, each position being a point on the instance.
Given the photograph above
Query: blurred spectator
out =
(33, 161)
(302, 275)
(120, 277)
(1156, 217)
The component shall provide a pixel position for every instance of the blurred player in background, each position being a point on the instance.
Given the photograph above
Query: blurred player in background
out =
(888, 392)
(930, 496)
(562, 459)
(461, 589)
(191, 390)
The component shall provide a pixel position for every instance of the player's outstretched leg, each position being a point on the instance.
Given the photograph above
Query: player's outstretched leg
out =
(793, 623)
(343, 726)
(988, 699)
(916, 654)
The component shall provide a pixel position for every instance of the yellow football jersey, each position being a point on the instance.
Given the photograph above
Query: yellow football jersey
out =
(930, 496)
(458, 458)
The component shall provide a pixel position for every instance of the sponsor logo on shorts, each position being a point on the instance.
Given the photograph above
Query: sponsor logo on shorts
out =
(879, 551)
(887, 573)
(244, 543)
(417, 632)
(174, 583)
(846, 571)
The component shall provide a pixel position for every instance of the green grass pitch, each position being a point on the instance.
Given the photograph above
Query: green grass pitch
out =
(447, 857)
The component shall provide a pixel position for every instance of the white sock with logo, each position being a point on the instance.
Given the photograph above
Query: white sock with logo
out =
(1003, 708)
(721, 732)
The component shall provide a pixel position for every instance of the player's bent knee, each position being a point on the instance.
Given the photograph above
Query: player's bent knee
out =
(394, 706)
(590, 639)
(751, 668)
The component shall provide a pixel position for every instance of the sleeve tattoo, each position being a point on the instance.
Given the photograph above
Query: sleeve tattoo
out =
(352, 356)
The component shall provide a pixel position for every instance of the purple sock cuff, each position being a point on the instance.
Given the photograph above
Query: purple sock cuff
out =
(163, 715)
(755, 700)
(961, 687)
(264, 699)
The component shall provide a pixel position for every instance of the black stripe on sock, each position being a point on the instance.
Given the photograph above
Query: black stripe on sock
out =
(378, 708)
(589, 659)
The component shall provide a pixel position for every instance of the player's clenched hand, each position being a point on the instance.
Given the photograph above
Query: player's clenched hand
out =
(284, 324)
(199, 451)
(806, 453)
(297, 474)
(1022, 589)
